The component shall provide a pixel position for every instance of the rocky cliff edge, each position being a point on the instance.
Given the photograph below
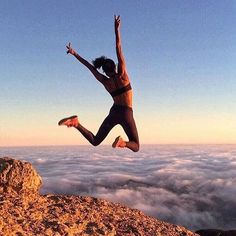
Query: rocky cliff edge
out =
(23, 211)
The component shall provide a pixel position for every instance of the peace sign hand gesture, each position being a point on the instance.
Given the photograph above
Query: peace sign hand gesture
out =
(70, 49)
(117, 22)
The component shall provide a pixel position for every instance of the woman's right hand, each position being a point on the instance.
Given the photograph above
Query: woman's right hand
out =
(70, 50)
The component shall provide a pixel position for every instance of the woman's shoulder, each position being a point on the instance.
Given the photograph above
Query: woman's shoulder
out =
(124, 77)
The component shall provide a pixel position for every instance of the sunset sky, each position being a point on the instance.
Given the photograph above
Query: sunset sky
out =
(180, 55)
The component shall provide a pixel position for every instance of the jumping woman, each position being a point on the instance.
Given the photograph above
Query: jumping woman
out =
(117, 83)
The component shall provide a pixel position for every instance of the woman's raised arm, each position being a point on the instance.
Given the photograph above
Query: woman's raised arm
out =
(119, 53)
(94, 71)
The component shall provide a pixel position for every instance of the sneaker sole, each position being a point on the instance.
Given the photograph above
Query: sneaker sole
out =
(61, 122)
(115, 142)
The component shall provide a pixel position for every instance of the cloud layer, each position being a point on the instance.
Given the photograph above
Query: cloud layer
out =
(193, 186)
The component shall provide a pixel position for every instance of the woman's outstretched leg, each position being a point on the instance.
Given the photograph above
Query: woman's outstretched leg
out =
(95, 140)
(103, 131)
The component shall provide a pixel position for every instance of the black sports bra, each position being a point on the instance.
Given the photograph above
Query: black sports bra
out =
(121, 90)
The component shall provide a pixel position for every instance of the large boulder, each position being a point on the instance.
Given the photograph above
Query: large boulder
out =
(18, 178)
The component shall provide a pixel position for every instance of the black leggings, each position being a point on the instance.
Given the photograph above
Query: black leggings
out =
(122, 115)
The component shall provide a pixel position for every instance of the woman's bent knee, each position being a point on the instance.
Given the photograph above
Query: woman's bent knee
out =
(136, 148)
(96, 142)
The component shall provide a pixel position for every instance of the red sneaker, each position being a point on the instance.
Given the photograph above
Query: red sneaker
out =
(71, 121)
(119, 142)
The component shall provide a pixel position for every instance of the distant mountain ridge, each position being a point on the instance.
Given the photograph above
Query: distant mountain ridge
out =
(216, 232)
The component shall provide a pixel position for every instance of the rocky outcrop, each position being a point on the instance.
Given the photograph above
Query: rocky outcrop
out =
(24, 212)
(18, 178)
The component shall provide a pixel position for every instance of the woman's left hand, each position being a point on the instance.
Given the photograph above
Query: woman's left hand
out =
(117, 21)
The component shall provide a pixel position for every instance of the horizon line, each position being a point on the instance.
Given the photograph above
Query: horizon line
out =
(145, 144)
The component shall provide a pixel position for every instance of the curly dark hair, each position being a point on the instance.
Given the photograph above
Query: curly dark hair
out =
(108, 65)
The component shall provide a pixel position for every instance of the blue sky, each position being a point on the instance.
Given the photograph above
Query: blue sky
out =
(180, 56)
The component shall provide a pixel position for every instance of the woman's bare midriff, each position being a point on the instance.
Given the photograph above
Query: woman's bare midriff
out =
(125, 99)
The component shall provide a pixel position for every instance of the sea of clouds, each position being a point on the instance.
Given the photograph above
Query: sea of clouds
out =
(193, 186)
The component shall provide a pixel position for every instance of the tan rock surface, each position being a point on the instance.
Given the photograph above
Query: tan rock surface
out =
(22, 214)
(18, 177)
